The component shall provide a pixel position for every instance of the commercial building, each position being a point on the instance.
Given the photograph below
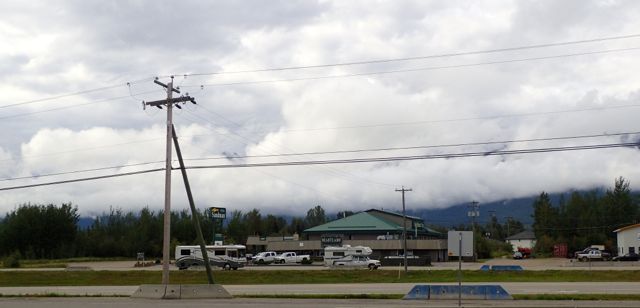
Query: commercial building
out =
(378, 229)
(628, 239)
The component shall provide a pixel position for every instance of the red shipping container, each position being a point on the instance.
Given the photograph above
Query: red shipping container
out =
(560, 250)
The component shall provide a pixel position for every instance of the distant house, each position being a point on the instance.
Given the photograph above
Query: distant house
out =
(524, 239)
(628, 239)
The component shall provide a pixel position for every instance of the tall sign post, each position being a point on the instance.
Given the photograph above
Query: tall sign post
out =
(217, 213)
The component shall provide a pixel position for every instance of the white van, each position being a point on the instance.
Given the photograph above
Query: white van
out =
(225, 256)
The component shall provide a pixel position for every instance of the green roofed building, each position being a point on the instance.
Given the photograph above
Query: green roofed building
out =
(378, 229)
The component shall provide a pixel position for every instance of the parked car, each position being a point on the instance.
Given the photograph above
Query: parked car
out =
(627, 257)
(518, 255)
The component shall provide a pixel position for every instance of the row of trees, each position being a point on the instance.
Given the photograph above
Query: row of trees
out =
(585, 218)
(48, 231)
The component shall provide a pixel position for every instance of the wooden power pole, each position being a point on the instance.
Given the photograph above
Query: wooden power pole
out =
(168, 103)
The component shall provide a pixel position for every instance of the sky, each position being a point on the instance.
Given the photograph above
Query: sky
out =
(306, 81)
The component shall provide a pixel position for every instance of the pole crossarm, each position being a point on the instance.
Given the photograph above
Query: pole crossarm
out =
(171, 101)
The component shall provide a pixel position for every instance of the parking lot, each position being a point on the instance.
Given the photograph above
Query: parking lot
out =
(527, 264)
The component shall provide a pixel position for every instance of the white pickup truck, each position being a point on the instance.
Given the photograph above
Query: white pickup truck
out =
(593, 255)
(265, 257)
(291, 257)
(357, 261)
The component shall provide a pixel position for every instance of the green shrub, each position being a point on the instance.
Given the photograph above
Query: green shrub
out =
(12, 260)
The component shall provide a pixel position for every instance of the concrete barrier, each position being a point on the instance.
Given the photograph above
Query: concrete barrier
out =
(176, 291)
(506, 268)
(450, 292)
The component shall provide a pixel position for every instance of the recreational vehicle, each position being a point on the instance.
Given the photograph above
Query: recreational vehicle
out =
(332, 253)
(225, 256)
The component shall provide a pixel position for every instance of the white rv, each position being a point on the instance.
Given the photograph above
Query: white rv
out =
(334, 253)
(225, 256)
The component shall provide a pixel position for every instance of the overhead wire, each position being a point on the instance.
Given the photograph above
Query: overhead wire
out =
(79, 171)
(421, 146)
(299, 79)
(70, 106)
(83, 179)
(443, 55)
(420, 157)
(428, 68)
(40, 100)
(341, 151)
(355, 160)
(335, 172)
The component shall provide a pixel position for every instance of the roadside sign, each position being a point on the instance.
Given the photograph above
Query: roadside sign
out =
(218, 212)
(453, 243)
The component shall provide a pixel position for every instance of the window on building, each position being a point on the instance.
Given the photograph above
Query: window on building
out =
(632, 250)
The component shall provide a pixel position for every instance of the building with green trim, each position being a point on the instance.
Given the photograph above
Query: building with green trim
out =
(379, 229)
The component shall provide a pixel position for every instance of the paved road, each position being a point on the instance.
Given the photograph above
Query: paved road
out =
(360, 288)
(287, 303)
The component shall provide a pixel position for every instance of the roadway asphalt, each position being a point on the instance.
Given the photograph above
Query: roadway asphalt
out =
(98, 302)
(355, 288)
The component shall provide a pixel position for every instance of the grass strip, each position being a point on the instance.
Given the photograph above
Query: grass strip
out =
(123, 278)
(578, 297)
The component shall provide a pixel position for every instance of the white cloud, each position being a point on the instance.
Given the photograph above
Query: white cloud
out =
(75, 46)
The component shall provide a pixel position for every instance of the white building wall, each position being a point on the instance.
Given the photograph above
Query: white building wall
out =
(522, 244)
(627, 239)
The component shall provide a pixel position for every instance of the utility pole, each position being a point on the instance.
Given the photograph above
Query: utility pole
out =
(509, 218)
(168, 102)
(404, 227)
(473, 213)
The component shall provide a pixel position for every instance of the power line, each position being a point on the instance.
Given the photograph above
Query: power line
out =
(445, 55)
(82, 179)
(70, 106)
(329, 170)
(86, 149)
(420, 157)
(336, 152)
(428, 68)
(354, 160)
(489, 117)
(420, 147)
(309, 78)
(40, 100)
(78, 171)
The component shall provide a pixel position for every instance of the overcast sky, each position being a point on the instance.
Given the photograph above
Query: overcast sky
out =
(73, 75)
